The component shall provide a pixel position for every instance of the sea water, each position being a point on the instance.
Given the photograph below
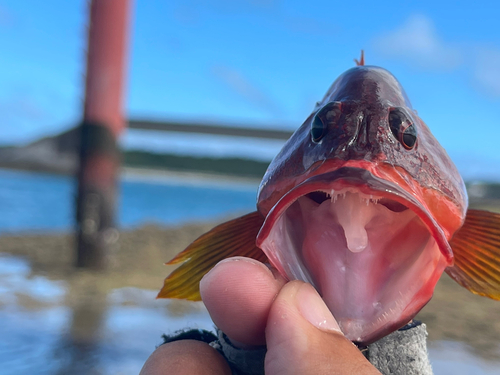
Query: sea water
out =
(39, 202)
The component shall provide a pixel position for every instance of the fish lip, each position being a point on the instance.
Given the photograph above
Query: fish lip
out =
(367, 183)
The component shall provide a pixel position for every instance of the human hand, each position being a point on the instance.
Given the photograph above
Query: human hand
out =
(254, 306)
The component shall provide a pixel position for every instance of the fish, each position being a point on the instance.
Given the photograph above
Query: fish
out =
(363, 203)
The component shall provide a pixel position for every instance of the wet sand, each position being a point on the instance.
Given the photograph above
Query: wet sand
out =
(454, 314)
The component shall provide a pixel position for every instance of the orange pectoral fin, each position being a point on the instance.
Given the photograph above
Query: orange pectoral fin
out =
(476, 247)
(232, 238)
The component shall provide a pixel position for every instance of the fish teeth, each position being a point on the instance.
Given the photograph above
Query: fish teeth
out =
(335, 195)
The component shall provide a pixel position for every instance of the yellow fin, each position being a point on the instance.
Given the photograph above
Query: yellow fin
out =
(232, 238)
(476, 247)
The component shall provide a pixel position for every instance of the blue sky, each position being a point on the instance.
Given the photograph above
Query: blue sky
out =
(258, 62)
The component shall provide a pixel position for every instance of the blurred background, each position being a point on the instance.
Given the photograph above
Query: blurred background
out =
(212, 90)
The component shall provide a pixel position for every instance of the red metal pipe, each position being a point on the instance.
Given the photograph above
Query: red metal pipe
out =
(102, 124)
(106, 63)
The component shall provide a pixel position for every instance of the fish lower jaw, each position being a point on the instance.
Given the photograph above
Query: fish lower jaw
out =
(372, 259)
(383, 318)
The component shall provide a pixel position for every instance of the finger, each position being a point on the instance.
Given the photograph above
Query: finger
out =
(185, 357)
(238, 293)
(304, 338)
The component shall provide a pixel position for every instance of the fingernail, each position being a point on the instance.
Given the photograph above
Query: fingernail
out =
(314, 310)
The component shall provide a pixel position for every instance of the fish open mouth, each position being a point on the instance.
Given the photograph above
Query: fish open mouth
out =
(366, 246)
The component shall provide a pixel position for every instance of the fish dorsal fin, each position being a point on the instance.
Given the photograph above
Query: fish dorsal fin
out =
(232, 238)
(476, 247)
(361, 60)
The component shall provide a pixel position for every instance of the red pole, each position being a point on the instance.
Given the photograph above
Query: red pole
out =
(102, 124)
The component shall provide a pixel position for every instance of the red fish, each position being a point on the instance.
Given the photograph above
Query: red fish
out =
(363, 203)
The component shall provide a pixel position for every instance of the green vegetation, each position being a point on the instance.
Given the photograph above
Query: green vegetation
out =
(231, 166)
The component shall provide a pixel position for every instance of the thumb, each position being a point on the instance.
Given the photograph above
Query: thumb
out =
(304, 338)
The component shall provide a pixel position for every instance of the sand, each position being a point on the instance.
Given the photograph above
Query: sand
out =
(453, 314)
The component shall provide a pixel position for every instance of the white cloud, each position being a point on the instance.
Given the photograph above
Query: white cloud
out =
(242, 86)
(417, 42)
(487, 71)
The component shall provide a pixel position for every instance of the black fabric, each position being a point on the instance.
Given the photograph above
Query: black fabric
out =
(191, 334)
(412, 324)
(401, 352)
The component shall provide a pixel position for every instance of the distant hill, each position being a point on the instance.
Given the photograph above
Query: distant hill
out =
(229, 166)
(58, 154)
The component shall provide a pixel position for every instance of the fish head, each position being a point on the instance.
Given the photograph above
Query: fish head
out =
(361, 203)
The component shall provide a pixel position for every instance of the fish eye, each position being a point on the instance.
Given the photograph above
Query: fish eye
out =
(402, 128)
(322, 119)
(318, 129)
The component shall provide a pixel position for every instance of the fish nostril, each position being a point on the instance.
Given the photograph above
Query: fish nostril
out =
(392, 205)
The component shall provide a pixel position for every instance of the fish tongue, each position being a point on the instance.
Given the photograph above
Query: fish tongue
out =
(338, 251)
(353, 214)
